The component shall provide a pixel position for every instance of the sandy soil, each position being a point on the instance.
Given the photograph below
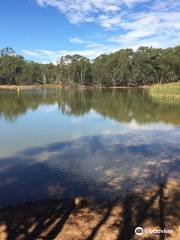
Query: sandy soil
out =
(94, 220)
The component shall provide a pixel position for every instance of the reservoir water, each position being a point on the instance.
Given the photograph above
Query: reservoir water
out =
(103, 144)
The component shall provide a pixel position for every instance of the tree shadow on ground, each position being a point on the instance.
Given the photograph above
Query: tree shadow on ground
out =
(38, 220)
(46, 219)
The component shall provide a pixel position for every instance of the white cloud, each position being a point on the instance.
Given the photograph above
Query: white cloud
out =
(77, 40)
(128, 24)
(158, 17)
(46, 56)
(110, 21)
(30, 53)
(86, 11)
(158, 29)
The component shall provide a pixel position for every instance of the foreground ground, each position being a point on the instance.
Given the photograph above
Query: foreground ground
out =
(158, 208)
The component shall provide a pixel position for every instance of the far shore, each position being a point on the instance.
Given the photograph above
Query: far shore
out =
(24, 87)
(41, 86)
(169, 90)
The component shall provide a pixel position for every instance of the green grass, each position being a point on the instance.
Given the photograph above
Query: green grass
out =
(166, 90)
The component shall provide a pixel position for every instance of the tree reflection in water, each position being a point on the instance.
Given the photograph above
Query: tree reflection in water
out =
(130, 178)
(122, 105)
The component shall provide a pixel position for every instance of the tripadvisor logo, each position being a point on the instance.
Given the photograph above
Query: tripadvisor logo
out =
(141, 231)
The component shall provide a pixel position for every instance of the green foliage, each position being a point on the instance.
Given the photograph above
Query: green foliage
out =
(146, 66)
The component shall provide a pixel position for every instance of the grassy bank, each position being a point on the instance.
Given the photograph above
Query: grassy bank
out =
(166, 90)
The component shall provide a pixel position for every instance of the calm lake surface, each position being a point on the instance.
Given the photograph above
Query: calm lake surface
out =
(58, 143)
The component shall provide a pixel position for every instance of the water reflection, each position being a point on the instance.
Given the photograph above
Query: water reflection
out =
(122, 105)
(59, 143)
(102, 167)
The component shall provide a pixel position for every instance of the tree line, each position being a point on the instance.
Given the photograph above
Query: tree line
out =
(126, 67)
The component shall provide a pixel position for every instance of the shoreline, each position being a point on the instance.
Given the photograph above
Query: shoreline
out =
(40, 86)
(27, 87)
(150, 88)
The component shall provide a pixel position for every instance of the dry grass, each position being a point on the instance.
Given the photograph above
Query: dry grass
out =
(166, 90)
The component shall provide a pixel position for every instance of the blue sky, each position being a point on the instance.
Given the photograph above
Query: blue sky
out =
(44, 30)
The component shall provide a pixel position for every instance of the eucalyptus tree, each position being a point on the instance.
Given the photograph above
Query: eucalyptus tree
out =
(125, 67)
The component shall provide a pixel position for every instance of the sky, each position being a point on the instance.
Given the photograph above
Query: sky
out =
(45, 30)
